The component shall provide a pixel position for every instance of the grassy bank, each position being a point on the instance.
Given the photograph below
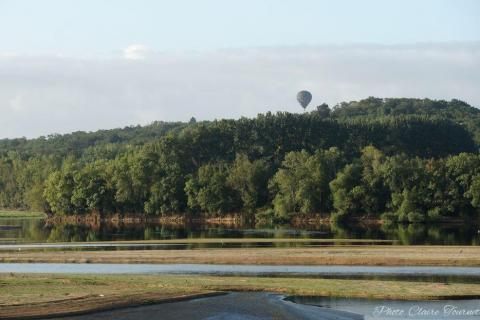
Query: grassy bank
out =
(21, 214)
(36, 295)
(386, 255)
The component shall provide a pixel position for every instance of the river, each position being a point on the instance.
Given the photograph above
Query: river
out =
(34, 230)
(256, 306)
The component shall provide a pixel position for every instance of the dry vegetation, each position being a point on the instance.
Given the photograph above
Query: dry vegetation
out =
(385, 255)
(21, 214)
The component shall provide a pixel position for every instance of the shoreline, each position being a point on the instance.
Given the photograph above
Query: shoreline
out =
(226, 219)
(7, 213)
(62, 295)
(363, 255)
(230, 219)
(66, 307)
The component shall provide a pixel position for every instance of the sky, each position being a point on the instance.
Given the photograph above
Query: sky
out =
(86, 65)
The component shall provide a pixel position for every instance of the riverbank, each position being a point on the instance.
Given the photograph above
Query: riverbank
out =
(232, 219)
(136, 218)
(366, 255)
(28, 295)
(21, 214)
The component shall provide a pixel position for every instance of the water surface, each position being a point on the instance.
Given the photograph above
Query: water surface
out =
(256, 306)
(34, 230)
(398, 309)
(219, 269)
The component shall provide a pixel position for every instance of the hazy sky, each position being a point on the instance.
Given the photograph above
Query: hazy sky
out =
(84, 65)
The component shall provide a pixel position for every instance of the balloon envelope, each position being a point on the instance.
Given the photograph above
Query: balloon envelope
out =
(304, 98)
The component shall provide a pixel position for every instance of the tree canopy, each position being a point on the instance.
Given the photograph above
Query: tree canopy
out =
(402, 159)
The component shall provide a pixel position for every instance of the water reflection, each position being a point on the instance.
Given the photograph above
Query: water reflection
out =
(37, 230)
(243, 269)
(372, 309)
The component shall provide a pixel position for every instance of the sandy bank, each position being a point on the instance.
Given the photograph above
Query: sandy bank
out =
(374, 255)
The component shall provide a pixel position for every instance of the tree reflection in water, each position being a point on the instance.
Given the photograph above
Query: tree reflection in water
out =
(36, 230)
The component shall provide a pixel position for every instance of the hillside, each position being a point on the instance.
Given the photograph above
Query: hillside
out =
(362, 158)
(455, 110)
(114, 141)
(76, 143)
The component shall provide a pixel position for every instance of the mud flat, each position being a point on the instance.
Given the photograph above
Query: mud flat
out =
(327, 254)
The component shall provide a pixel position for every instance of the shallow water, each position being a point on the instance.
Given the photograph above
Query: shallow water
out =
(232, 306)
(217, 269)
(397, 309)
(184, 244)
(34, 230)
(254, 305)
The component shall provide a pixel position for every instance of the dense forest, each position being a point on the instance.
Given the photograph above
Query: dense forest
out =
(455, 110)
(399, 159)
(77, 143)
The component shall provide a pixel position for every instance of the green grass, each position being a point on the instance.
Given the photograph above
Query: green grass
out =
(21, 214)
(34, 287)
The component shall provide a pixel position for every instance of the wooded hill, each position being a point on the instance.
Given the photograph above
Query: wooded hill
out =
(404, 159)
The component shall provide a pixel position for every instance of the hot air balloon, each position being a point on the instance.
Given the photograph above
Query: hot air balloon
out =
(304, 97)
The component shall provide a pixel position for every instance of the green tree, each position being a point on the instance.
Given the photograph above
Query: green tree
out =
(302, 183)
(167, 194)
(359, 188)
(209, 190)
(474, 192)
(58, 191)
(347, 190)
(250, 180)
(91, 192)
(323, 110)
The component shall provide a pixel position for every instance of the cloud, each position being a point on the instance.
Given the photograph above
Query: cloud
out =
(136, 52)
(43, 95)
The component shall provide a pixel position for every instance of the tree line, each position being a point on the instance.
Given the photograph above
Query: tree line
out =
(398, 188)
(403, 167)
(455, 110)
(110, 143)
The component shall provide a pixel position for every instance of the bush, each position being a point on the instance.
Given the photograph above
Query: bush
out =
(416, 216)
(389, 217)
(434, 214)
(265, 215)
(338, 217)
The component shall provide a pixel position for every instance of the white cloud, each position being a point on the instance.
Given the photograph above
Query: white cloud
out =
(16, 104)
(42, 95)
(136, 52)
